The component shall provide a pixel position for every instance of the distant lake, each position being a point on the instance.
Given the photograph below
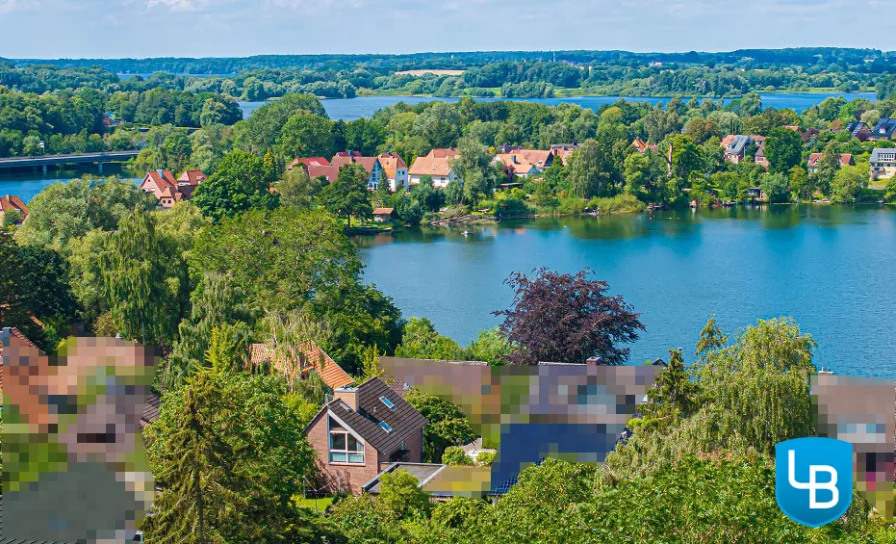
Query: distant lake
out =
(830, 267)
(28, 185)
(349, 109)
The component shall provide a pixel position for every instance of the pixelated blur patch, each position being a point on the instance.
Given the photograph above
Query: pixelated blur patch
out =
(564, 411)
(75, 467)
(861, 411)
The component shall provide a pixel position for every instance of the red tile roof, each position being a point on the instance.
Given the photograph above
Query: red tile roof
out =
(329, 172)
(193, 177)
(12, 202)
(815, 158)
(369, 163)
(314, 358)
(309, 161)
(383, 211)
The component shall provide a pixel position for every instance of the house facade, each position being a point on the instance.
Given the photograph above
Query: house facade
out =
(736, 147)
(394, 171)
(816, 159)
(169, 190)
(362, 431)
(371, 166)
(436, 164)
(883, 163)
(884, 129)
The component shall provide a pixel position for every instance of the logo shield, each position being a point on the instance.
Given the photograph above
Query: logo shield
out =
(813, 479)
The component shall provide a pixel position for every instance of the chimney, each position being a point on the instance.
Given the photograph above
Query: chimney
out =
(348, 395)
(593, 361)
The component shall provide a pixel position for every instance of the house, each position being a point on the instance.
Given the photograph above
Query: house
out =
(883, 163)
(858, 129)
(298, 363)
(394, 171)
(736, 146)
(436, 164)
(12, 203)
(564, 151)
(362, 430)
(383, 215)
(308, 161)
(571, 410)
(370, 164)
(760, 157)
(883, 130)
(815, 160)
(643, 146)
(525, 162)
(168, 190)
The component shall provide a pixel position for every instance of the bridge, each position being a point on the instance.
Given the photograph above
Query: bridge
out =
(44, 161)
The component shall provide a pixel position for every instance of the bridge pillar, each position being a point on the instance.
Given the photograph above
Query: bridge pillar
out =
(44, 169)
(101, 168)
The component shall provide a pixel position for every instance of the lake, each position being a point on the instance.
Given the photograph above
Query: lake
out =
(28, 185)
(830, 267)
(349, 109)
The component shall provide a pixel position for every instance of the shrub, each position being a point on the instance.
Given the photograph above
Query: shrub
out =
(455, 455)
(485, 458)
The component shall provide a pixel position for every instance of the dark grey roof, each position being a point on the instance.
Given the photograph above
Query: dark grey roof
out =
(739, 144)
(422, 471)
(4, 540)
(884, 128)
(151, 409)
(403, 419)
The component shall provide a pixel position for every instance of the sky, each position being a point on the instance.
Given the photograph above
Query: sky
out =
(225, 28)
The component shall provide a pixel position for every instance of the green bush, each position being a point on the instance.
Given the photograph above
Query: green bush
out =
(618, 204)
(485, 458)
(455, 455)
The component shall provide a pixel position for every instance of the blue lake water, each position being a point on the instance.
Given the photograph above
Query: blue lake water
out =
(27, 186)
(832, 268)
(348, 109)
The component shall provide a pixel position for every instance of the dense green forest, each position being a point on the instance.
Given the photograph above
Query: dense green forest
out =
(507, 74)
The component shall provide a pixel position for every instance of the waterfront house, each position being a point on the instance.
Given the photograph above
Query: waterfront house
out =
(383, 215)
(362, 431)
(525, 162)
(884, 129)
(883, 163)
(316, 167)
(12, 203)
(437, 164)
(371, 166)
(169, 190)
(735, 147)
(815, 160)
(760, 157)
(394, 171)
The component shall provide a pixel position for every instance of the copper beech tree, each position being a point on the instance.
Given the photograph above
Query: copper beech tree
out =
(566, 318)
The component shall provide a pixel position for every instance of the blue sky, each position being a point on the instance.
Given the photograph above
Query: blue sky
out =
(193, 28)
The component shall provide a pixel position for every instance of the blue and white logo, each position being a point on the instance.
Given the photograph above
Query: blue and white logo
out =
(813, 479)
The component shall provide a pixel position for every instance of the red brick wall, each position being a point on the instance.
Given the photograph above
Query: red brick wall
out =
(344, 477)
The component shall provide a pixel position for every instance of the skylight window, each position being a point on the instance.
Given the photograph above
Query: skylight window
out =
(385, 426)
(388, 403)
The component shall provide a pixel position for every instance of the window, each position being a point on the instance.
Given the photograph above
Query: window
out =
(385, 426)
(388, 403)
(344, 447)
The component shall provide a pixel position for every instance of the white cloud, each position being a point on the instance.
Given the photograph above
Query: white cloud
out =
(179, 5)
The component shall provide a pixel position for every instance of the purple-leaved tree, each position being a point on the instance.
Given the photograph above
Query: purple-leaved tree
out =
(565, 318)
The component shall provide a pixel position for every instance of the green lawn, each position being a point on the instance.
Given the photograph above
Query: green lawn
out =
(319, 504)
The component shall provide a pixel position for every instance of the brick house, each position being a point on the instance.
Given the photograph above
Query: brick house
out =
(362, 431)
(168, 190)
